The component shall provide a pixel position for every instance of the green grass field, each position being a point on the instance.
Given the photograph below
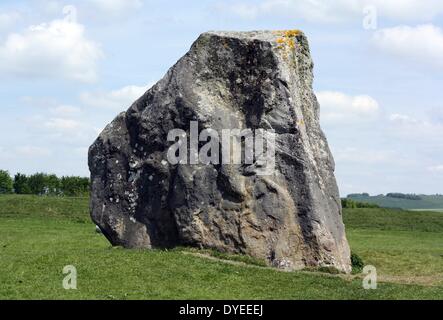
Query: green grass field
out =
(40, 235)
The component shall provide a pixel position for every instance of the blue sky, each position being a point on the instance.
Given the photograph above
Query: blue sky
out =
(68, 67)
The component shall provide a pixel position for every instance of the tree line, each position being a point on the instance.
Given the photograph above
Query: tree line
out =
(407, 196)
(43, 184)
(352, 204)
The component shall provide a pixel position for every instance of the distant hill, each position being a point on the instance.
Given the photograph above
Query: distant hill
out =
(403, 201)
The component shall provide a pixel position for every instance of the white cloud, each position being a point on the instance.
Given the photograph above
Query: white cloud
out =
(336, 10)
(62, 124)
(363, 156)
(55, 49)
(339, 107)
(119, 99)
(420, 44)
(61, 130)
(409, 122)
(436, 169)
(410, 127)
(406, 120)
(40, 102)
(51, 105)
(65, 110)
(32, 151)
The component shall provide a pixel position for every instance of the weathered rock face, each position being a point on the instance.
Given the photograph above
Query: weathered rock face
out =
(292, 217)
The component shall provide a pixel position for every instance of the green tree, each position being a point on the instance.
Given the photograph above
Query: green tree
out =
(352, 204)
(74, 186)
(52, 184)
(36, 183)
(5, 182)
(348, 203)
(21, 184)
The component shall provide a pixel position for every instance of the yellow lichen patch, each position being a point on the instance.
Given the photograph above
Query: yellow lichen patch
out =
(292, 33)
(287, 38)
(287, 33)
(300, 122)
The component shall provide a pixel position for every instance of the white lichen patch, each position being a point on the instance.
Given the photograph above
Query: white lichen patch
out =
(133, 164)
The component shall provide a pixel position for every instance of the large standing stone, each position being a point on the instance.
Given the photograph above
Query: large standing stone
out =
(263, 79)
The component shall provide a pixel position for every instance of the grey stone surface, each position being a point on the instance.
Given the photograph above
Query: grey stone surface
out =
(262, 79)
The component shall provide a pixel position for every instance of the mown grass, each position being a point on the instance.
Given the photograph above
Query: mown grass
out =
(46, 207)
(405, 246)
(393, 220)
(39, 236)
